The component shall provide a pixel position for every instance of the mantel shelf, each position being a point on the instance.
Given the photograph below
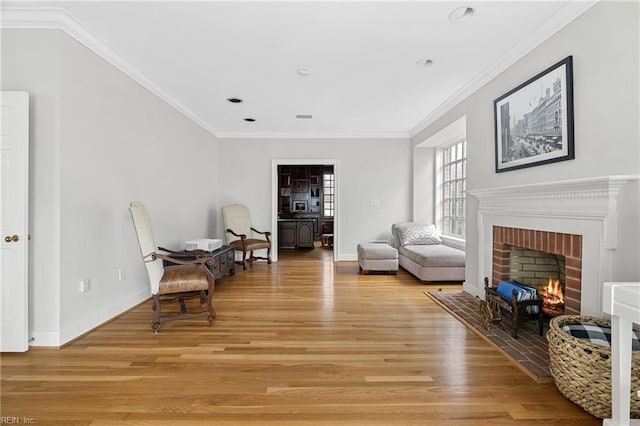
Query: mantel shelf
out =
(599, 187)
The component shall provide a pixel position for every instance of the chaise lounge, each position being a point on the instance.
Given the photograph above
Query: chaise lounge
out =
(422, 252)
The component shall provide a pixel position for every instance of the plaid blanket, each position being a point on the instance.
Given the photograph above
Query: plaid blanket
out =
(598, 334)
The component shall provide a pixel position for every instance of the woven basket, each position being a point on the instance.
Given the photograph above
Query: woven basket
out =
(582, 370)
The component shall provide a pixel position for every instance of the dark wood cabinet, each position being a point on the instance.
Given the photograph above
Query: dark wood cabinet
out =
(224, 261)
(287, 234)
(301, 197)
(294, 234)
(305, 234)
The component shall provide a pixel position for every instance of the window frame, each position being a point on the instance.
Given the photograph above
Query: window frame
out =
(439, 189)
(331, 195)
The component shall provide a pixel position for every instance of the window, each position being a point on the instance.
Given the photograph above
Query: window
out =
(329, 189)
(452, 188)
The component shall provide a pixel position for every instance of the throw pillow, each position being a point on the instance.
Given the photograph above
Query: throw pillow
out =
(417, 234)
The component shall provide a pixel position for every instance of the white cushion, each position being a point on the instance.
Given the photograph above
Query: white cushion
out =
(434, 255)
(236, 218)
(377, 251)
(411, 233)
(144, 231)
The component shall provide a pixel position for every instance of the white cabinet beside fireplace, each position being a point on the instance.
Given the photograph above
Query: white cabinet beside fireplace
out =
(622, 301)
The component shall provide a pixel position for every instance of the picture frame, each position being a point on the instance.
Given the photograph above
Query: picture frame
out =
(300, 185)
(533, 123)
(299, 206)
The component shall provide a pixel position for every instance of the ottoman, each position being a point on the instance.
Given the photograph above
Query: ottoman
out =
(377, 257)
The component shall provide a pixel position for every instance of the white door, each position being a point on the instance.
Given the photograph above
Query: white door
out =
(14, 203)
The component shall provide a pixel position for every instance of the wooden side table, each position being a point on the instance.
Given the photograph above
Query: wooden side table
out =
(224, 261)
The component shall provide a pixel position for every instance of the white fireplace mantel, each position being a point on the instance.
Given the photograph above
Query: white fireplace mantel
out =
(586, 207)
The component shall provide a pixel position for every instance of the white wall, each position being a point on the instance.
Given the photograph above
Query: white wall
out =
(24, 57)
(424, 197)
(112, 142)
(367, 169)
(604, 46)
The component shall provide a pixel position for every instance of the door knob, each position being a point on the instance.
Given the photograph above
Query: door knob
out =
(13, 238)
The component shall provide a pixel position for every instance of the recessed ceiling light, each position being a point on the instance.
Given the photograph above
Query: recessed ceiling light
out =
(461, 14)
(304, 72)
(304, 116)
(424, 63)
(234, 100)
(250, 120)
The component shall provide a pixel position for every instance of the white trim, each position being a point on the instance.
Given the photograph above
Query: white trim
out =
(439, 184)
(44, 338)
(274, 199)
(56, 18)
(98, 317)
(555, 23)
(452, 132)
(586, 207)
(59, 19)
(292, 135)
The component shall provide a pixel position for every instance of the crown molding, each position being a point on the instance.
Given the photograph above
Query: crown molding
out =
(566, 15)
(58, 19)
(316, 135)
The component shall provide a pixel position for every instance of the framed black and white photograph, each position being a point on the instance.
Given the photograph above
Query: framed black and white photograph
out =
(534, 121)
(299, 206)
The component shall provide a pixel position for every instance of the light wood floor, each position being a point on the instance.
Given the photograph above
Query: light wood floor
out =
(302, 341)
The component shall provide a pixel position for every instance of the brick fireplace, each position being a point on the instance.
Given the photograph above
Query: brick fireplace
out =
(577, 219)
(568, 247)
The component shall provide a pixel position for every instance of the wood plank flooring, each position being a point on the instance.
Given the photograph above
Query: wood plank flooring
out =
(299, 342)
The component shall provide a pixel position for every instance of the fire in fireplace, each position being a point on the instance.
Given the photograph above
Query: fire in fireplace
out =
(553, 297)
(531, 257)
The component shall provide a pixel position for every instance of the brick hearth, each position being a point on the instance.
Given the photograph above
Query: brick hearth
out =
(567, 245)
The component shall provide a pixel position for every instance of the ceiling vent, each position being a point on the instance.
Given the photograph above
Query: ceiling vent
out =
(304, 116)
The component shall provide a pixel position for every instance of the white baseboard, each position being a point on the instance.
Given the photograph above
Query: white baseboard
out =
(87, 323)
(44, 338)
(347, 257)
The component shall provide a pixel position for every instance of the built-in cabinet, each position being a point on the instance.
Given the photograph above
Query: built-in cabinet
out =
(300, 197)
(295, 234)
(300, 189)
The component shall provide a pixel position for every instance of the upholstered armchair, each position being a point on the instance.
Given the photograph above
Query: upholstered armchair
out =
(181, 281)
(239, 234)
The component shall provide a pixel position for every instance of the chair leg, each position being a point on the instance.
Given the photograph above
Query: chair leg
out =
(211, 288)
(540, 322)
(269, 255)
(155, 322)
(244, 260)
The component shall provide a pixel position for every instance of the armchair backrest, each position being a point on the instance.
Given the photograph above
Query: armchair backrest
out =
(144, 231)
(237, 218)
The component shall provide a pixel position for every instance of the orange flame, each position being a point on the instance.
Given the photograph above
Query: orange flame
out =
(553, 293)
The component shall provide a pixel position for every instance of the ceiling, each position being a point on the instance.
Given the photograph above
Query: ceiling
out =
(361, 57)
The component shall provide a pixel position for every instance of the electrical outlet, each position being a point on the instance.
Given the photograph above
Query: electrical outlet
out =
(85, 285)
(122, 274)
(374, 202)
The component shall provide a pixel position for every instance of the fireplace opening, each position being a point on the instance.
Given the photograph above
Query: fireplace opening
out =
(543, 271)
(536, 257)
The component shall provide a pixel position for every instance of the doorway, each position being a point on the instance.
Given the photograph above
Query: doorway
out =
(304, 206)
